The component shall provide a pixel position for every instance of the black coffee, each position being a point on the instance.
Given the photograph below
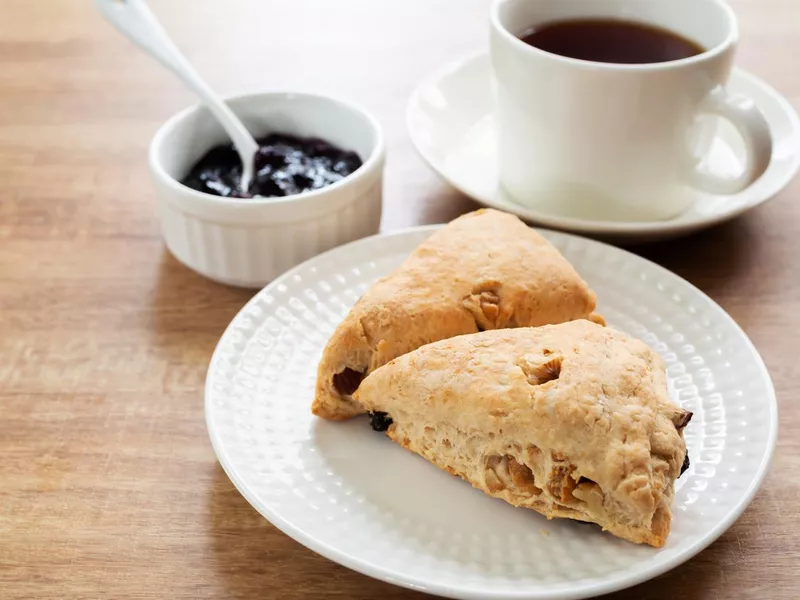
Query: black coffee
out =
(610, 41)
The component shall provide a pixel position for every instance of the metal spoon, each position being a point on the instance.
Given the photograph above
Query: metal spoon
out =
(134, 19)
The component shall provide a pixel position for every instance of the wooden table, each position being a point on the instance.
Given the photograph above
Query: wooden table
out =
(108, 484)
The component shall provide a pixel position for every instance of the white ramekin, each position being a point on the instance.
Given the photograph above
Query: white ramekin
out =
(249, 242)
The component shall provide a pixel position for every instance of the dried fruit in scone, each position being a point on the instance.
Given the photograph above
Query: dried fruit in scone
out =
(572, 420)
(485, 270)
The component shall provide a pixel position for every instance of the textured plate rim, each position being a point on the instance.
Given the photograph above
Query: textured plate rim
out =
(588, 226)
(411, 582)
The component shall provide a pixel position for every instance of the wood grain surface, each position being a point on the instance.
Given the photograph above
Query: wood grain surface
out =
(108, 484)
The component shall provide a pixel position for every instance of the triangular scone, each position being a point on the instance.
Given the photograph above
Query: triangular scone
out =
(571, 420)
(484, 270)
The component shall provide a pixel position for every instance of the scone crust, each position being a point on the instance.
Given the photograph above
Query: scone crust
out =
(571, 420)
(485, 270)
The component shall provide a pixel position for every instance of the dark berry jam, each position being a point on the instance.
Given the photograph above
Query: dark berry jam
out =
(284, 165)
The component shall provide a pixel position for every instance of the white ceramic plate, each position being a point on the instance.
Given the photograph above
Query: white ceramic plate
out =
(450, 123)
(355, 497)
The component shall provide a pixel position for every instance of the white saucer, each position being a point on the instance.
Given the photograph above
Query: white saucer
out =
(352, 495)
(450, 123)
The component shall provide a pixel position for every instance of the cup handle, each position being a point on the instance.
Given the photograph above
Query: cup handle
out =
(751, 124)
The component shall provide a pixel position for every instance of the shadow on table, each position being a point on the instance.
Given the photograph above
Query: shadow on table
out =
(181, 298)
(186, 313)
(442, 204)
(717, 260)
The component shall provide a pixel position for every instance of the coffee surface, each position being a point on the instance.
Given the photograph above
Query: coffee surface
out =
(610, 41)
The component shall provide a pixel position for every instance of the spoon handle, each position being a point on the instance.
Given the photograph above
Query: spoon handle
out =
(134, 19)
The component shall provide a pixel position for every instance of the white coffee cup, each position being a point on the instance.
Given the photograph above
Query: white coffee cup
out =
(618, 141)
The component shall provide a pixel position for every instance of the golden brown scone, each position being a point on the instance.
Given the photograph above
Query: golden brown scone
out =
(485, 270)
(571, 420)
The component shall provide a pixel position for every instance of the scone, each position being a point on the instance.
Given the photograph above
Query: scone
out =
(485, 270)
(571, 420)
